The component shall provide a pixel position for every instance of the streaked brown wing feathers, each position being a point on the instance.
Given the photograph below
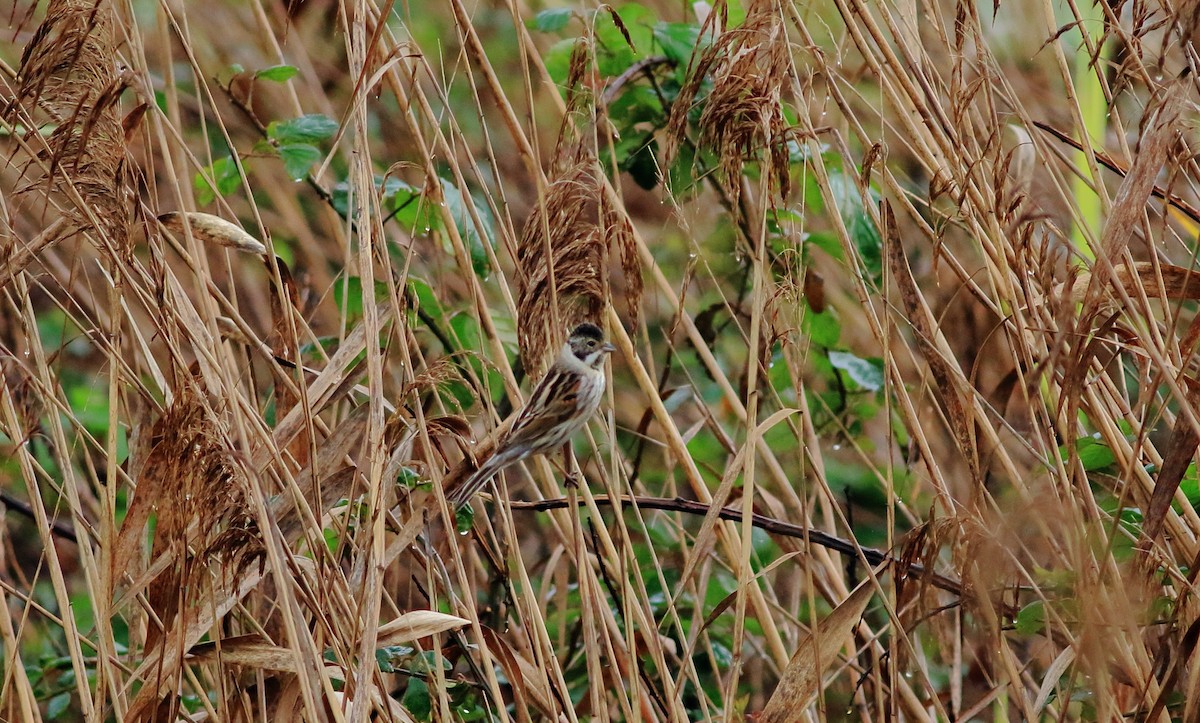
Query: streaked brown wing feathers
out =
(552, 404)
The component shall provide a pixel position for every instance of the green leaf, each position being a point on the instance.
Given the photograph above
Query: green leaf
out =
(636, 156)
(277, 73)
(823, 329)
(409, 478)
(681, 176)
(456, 202)
(551, 21)
(826, 243)
(558, 60)
(407, 205)
(391, 658)
(402, 202)
(1190, 485)
(865, 373)
(417, 700)
(677, 40)
(348, 295)
(781, 221)
(1094, 454)
(638, 104)
(425, 296)
(312, 128)
(298, 159)
(1031, 620)
(58, 705)
(464, 517)
(615, 51)
(858, 222)
(226, 76)
(225, 176)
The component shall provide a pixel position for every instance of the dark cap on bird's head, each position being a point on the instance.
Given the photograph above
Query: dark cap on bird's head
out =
(589, 331)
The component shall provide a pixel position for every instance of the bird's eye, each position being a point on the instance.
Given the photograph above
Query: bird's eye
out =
(591, 343)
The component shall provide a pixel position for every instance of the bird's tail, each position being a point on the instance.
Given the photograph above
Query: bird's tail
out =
(461, 495)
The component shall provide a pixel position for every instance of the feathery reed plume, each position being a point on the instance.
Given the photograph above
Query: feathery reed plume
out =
(69, 78)
(743, 114)
(576, 222)
(192, 483)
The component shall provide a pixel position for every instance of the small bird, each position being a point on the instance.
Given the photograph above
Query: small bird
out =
(559, 406)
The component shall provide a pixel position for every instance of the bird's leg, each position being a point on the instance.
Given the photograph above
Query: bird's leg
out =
(570, 466)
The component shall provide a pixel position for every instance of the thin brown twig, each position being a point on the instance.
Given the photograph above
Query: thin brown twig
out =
(779, 527)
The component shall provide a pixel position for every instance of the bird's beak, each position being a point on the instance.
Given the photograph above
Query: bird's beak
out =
(608, 348)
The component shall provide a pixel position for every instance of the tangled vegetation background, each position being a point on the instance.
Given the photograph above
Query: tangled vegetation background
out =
(901, 423)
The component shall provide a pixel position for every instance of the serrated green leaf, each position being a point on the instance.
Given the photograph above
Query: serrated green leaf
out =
(391, 658)
(558, 61)
(348, 295)
(825, 242)
(406, 204)
(298, 159)
(1190, 485)
(312, 128)
(277, 73)
(862, 372)
(638, 104)
(614, 52)
(426, 298)
(464, 517)
(408, 477)
(783, 220)
(225, 176)
(636, 156)
(339, 198)
(681, 176)
(553, 20)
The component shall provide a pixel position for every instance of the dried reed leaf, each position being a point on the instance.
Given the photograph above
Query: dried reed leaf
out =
(284, 343)
(924, 332)
(801, 680)
(344, 443)
(527, 679)
(1177, 457)
(213, 230)
(1168, 280)
(252, 651)
(1129, 204)
(418, 624)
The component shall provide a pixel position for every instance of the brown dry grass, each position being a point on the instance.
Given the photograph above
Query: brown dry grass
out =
(226, 539)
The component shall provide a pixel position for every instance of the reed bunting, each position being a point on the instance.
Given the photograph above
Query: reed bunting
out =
(558, 407)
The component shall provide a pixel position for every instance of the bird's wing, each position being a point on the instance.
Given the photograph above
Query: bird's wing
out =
(554, 402)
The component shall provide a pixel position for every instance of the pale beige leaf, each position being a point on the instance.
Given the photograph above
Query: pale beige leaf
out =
(418, 624)
(801, 679)
(248, 650)
(212, 229)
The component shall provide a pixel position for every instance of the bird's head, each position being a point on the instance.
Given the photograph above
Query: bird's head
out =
(587, 344)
